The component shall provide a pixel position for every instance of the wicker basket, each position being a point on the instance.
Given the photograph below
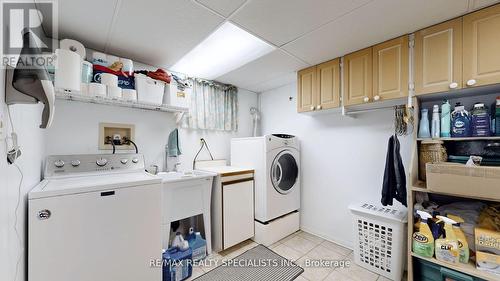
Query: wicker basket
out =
(431, 151)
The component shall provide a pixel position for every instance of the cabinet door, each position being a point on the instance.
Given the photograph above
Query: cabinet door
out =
(306, 97)
(481, 46)
(237, 212)
(328, 84)
(358, 77)
(438, 58)
(390, 69)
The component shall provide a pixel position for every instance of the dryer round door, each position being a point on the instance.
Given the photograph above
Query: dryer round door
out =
(284, 172)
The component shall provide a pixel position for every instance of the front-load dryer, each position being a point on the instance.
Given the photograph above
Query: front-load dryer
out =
(276, 161)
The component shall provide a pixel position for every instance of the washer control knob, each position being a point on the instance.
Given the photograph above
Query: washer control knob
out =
(135, 160)
(101, 162)
(75, 163)
(59, 163)
(124, 161)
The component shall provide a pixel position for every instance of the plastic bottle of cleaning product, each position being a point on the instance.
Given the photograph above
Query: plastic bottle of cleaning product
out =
(463, 245)
(435, 127)
(179, 242)
(445, 119)
(460, 122)
(480, 121)
(497, 117)
(198, 245)
(423, 129)
(447, 247)
(423, 242)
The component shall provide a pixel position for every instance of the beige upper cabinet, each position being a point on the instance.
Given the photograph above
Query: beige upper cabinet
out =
(481, 47)
(328, 85)
(306, 92)
(438, 58)
(357, 80)
(390, 69)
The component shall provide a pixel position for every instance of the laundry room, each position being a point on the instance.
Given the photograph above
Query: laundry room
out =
(250, 140)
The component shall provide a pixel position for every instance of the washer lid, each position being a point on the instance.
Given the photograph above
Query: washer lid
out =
(84, 184)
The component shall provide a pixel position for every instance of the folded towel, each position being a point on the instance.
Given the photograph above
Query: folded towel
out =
(173, 143)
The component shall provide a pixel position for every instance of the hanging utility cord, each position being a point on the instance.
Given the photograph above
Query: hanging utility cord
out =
(203, 144)
(15, 153)
(129, 141)
(109, 140)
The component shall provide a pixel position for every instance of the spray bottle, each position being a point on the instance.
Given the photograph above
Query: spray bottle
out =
(447, 247)
(423, 242)
(463, 245)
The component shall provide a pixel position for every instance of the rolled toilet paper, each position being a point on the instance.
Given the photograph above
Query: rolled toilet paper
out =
(97, 90)
(87, 71)
(84, 89)
(129, 94)
(99, 58)
(68, 72)
(128, 65)
(74, 46)
(109, 79)
(114, 92)
(112, 59)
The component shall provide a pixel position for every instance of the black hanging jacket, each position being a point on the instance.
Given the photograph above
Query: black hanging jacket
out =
(394, 186)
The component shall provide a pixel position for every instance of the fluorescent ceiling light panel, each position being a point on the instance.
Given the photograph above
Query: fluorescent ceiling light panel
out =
(228, 48)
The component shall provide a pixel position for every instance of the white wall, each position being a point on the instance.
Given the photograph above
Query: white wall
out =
(342, 160)
(26, 119)
(76, 129)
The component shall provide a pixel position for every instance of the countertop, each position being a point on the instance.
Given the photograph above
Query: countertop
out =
(228, 170)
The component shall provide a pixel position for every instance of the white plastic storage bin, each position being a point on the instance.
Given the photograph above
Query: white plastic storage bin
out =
(149, 90)
(379, 239)
(177, 97)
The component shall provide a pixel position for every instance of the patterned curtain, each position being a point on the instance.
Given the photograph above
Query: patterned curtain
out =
(213, 106)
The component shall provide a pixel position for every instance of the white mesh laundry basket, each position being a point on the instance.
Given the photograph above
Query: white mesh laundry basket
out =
(379, 239)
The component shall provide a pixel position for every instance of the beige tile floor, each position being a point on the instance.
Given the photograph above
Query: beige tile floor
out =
(299, 247)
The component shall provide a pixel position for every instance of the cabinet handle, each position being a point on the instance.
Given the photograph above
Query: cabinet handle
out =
(366, 99)
(376, 98)
(453, 85)
(318, 107)
(471, 82)
(312, 107)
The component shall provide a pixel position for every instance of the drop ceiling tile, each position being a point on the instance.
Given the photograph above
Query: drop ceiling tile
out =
(280, 21)
(266, 68)
(224, 7)
(160, 32)
(282, 80)
(478, 4)
(86, 21)
(373, 23)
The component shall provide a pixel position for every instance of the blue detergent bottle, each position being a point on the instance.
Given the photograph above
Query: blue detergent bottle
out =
(460, 122)
(177, 264)
(198, 245)
(480, 121)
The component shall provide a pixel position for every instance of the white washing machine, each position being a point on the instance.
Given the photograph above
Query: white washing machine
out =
(276, 161)
(95, 217)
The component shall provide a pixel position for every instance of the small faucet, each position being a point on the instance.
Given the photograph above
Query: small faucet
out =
(176, 166)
